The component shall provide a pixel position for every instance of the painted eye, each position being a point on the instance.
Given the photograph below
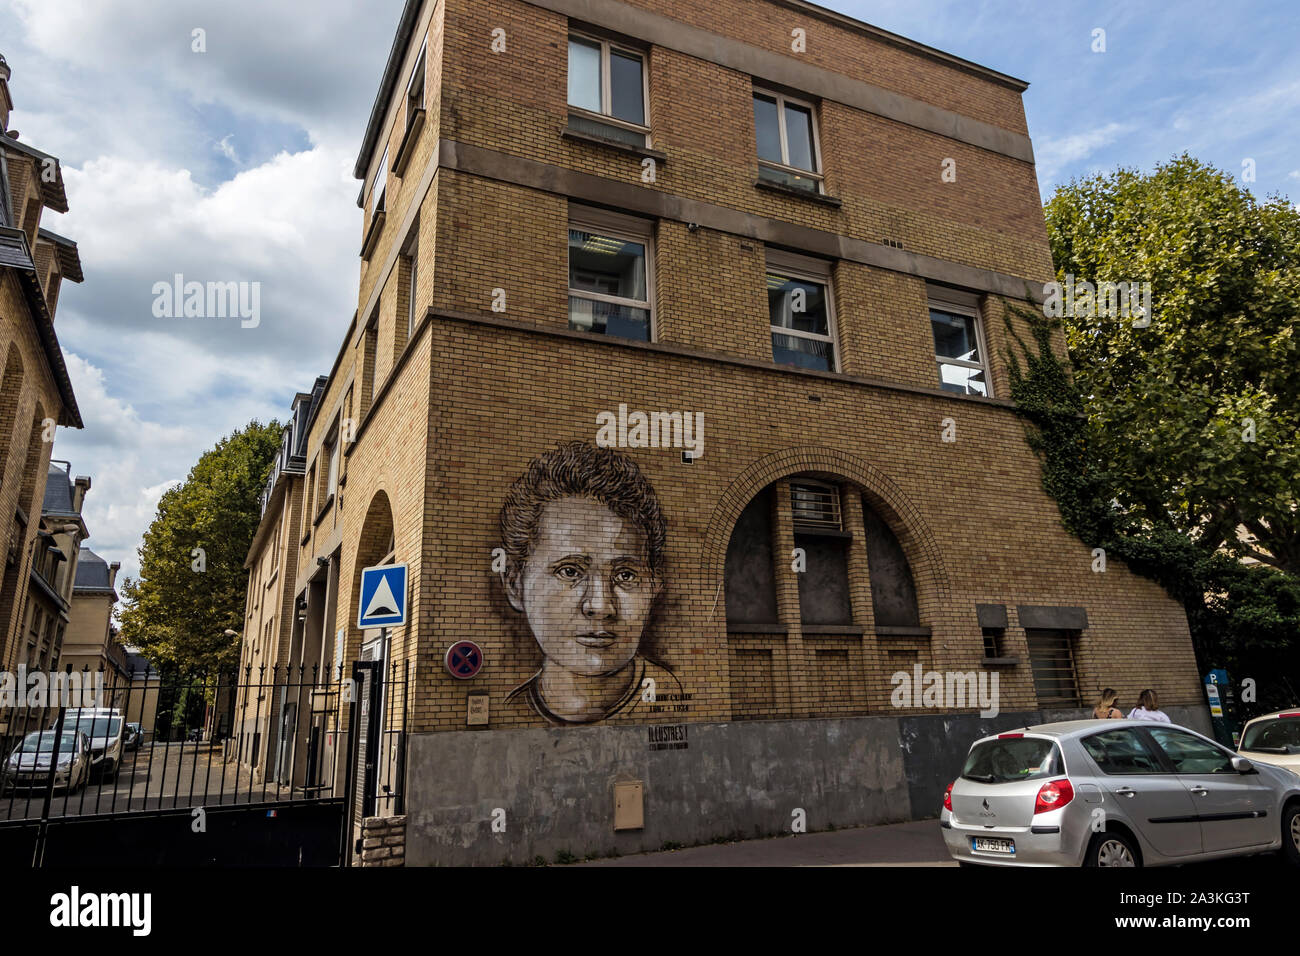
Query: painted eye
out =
(625, 576)
(568, 572)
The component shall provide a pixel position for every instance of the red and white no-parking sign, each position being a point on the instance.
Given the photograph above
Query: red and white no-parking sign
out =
(464, 659)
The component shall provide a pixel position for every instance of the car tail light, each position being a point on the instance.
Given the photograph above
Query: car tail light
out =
(947, 796)
(1296, 714)
(1053, 795)
(1005, 736)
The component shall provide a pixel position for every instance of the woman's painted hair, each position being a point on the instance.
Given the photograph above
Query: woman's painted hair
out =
(580, 469)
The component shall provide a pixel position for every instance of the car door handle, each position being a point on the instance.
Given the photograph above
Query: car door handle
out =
(1126, 792)
(1200, 791)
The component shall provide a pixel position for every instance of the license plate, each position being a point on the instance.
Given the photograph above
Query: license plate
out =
(992, 845)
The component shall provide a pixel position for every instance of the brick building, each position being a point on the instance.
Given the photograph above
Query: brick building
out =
(55, 567)
(91, 640)
(679, 357)
(271, 608)
(35, 392)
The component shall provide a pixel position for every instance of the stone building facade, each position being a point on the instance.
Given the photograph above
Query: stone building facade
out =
(678, 379)
(35, 391)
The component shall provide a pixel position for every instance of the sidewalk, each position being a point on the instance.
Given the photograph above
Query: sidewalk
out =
(898, 844)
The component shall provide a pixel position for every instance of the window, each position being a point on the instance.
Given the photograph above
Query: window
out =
(1191, 754)
(1012, 759)
(824, 582)
(1051, 658)
(332, 475)
(379, 189)
(610, 276)
(958, 348)
(799, 306)
(415, 89)
(309, 491)
(412, 263)
(994, 638)
(1121, 752)
(786, 130)
(607, 90)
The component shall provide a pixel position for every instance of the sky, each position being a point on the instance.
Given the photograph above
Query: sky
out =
(234, 164)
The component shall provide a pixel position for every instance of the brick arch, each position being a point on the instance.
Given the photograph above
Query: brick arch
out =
(917, 540)
(377, 529)
(11, 387)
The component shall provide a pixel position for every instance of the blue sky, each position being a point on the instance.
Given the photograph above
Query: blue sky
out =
(235, 164)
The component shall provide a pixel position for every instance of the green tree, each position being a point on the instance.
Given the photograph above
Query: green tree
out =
(192, 580)
(1196, 417)
(1244, 618)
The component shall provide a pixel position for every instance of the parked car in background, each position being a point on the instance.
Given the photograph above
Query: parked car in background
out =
(1115, 793)
(106, 731)
(1273, 739)
(29, 764)
(134, 736)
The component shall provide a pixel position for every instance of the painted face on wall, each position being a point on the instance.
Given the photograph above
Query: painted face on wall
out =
(586, 589)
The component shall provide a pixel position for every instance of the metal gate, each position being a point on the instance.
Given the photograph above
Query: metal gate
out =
(250, 769)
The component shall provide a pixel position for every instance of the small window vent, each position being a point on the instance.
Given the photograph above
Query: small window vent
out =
(815, 505)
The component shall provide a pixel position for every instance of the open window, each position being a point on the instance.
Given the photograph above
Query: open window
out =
(959, 349)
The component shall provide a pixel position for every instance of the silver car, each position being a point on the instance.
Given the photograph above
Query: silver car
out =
(29, 764)
(1115, 793)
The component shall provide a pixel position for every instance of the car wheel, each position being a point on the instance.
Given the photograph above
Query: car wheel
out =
(1291, 834)
(1111, 849)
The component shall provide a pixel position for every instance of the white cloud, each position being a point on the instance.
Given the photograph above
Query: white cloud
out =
(147, 131)
(1052, 155)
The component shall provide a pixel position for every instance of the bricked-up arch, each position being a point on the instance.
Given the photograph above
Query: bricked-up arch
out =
(33, 473)
(373, 546)
(11, 387)
(878, 490)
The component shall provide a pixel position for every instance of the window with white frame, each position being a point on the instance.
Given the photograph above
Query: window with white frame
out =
(802, 316)
(379, 188)
(415, 88)
(958, 343)
(607, 90)
(611, 274)
(786, 130)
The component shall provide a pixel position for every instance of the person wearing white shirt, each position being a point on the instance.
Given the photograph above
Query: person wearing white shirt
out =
(1148, 708)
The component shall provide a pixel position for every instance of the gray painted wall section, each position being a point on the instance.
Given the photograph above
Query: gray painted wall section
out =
(556, 785)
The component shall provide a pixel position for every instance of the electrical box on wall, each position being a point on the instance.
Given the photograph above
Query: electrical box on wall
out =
(629, 806)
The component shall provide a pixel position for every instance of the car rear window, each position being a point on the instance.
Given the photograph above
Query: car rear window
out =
(1007, 759)
(1280, 735)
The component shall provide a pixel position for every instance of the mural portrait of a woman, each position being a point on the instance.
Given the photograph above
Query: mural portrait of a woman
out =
(585, 539)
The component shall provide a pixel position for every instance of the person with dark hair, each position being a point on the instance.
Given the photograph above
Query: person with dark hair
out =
(1148, 708)
(585, 539)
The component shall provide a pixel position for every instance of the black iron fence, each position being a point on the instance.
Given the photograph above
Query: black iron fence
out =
(158, 742)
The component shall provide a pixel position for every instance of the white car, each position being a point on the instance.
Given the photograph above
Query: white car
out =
(106, 731)
(1273, 739)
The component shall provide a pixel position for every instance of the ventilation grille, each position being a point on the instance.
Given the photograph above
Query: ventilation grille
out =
(815, 505)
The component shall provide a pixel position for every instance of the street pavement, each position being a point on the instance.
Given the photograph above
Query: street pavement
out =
(164, 776)
(898, 844)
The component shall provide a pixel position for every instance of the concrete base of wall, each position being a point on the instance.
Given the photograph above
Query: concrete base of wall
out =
(511, 796)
